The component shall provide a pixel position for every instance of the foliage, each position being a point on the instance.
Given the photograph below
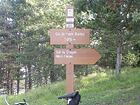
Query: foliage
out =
(25, 43)
(131, 59)
(115, 27)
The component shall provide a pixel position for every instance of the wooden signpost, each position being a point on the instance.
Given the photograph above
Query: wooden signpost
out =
(71, 56)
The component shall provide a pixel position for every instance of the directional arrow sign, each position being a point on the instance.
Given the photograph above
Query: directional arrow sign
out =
(69, 36)
(76, 56)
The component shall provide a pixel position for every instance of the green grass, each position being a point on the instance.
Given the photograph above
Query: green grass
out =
(95, 89)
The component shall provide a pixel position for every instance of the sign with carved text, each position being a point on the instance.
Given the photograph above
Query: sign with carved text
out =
(69, 36)
(76, 56)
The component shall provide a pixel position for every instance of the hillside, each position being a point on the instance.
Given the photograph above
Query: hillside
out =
(95, 89)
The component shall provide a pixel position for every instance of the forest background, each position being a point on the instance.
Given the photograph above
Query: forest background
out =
(26, 56)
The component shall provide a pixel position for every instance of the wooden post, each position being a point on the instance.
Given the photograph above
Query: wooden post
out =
(69, 78)
(69, 67)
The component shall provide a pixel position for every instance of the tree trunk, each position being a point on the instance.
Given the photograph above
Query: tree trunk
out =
(52, 76)
(30, 77)
(8, 82)
(18, 88)
(120, 36)
(11, 87)
(118, 59)
(18, 81)
(26, 80)
(46, 79)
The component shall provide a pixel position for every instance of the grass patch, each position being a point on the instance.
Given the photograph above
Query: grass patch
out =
(95, 89)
